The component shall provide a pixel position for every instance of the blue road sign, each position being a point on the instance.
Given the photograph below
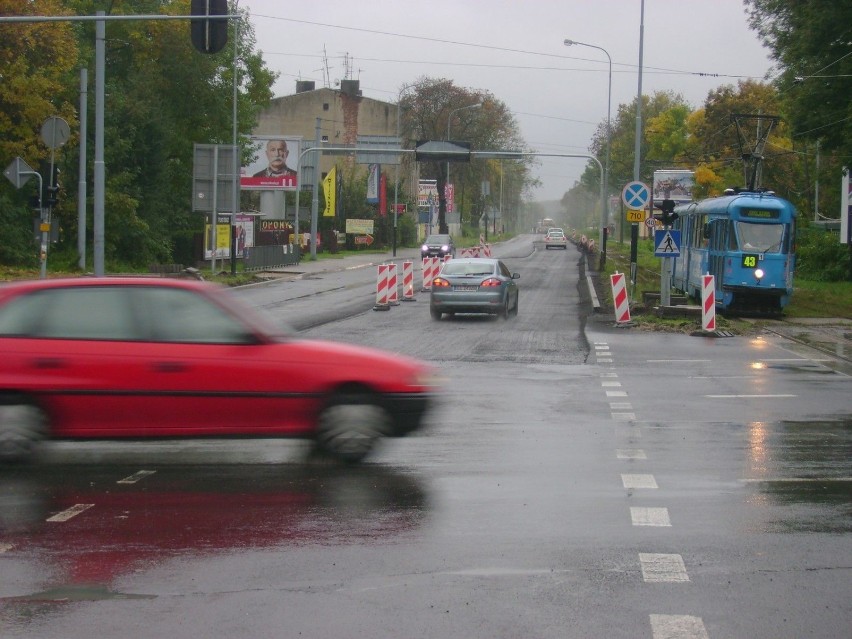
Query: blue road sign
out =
(636, 195)
(666, 243)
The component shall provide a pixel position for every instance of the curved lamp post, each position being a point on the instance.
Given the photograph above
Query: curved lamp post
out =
(604, 212)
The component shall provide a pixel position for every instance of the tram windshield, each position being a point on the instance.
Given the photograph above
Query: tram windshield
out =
(764, 238)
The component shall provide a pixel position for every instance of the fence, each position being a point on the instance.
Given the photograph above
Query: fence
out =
(260, 258)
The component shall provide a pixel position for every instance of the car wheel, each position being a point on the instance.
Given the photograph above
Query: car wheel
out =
(504, 312)
(435, 313)
(22, 427)
(350, 425)
(517, 302)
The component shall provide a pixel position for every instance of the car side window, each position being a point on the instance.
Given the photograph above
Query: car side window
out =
(91, 313)
(178, 315)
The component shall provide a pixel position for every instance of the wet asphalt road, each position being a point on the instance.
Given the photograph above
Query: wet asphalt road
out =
(577, 480)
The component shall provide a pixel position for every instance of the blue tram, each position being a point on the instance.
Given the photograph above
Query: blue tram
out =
(745, 240)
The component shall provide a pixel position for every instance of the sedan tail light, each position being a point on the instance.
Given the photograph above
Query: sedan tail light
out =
(491, 281)
(440, 282)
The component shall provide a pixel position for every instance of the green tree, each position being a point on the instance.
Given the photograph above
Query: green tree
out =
(492, 126)
(810, 42)
(36, 59)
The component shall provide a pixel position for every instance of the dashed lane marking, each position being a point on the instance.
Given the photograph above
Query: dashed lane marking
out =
(620, 405)
(611, 384)
(650, 516)
(616, 394)
(630, 453)
(67, 514)
(662, 568)
(136, 477)
(638, 481)
(678, 627)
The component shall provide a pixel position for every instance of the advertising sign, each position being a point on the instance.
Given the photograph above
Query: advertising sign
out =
(275, 165)
(359, 227)
(673, 184)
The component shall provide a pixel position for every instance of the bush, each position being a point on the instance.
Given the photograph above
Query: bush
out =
(821, 257)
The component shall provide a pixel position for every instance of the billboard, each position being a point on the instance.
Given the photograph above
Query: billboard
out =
(275, 165)
(673, 184)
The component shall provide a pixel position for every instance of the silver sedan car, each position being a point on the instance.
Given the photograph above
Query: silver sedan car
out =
(474, 285)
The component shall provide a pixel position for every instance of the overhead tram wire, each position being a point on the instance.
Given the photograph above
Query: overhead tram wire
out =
(633, 67)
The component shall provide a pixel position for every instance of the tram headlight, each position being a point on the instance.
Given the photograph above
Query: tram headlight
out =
(758, 274)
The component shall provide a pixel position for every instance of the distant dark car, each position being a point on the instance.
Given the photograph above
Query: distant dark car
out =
(438, 246)
(474, 285)
(153, 357)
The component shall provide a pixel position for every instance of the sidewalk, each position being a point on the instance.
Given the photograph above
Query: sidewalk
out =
(328, 263)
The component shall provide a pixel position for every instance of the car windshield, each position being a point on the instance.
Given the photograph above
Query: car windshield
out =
(467, 268)
(764, 238)
(438, 239)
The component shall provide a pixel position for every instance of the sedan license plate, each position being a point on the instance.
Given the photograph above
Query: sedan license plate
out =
(465, 287)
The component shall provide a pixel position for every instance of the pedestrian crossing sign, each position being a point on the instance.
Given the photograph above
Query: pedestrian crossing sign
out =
(666, 243)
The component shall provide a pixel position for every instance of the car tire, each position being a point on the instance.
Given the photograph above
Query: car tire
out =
(504, 312)
(514, 312)
(435, 313)
(350, 425)
(22, 427)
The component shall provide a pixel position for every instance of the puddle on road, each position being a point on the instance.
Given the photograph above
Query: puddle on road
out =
(805, 468)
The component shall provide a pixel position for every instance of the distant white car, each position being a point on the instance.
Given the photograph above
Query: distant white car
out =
(555, 238)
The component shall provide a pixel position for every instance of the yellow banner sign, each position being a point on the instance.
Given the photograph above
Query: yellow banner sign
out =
(634, 216)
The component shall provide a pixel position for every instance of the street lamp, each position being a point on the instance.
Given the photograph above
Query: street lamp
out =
(449, 121)
(604, 205)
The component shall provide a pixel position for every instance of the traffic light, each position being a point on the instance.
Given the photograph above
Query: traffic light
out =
(667, 216)
(52, 195)
(209, 34)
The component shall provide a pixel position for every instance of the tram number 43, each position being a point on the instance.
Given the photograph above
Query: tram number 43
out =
(750, 261)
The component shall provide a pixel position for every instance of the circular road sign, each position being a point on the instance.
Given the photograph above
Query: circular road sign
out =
(55, 132)
(636, 195)
(650, 222)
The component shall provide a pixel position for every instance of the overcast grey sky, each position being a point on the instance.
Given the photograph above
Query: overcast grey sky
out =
(514, 49)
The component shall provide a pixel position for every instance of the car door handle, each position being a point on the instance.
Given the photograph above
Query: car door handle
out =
(47, 363)
(170, 367)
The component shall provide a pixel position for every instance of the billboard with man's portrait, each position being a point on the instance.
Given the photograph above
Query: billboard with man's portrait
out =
(274, 167)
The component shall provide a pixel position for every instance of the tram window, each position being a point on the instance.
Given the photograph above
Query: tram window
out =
(732, 237)
(765, 238)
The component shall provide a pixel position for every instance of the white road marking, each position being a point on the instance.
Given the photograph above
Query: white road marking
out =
(662, 568)
(630, 453)
(609, 374)
(616, 394)
(620, 405)
(650, 516)
(638, 481)
(749, 396)
(678, 627)
(624, 417)
(611, 384)
(65, 515)
(136, 477)
(601, 347)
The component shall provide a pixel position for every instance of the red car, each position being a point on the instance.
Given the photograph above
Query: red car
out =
(157, 357)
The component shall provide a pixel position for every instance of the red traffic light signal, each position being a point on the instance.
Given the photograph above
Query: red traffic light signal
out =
(209, 33)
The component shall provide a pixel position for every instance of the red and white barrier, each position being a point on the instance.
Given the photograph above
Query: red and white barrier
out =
(485, 250)
(619, 297)
(430, 270)
(382, 288)
(471, 251)
(393, 287)
(408, 281)
(708, 303)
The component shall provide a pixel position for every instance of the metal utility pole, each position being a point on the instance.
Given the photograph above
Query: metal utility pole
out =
(637, 150)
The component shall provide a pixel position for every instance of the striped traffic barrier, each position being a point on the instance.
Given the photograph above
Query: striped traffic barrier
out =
(470, 251)
(408, 281)
(708, 303)
(382, 292)
(430, 270)
(393, 288)
(619, 297)
(485, 250)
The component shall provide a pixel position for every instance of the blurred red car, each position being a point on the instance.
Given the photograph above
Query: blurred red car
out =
(157, 357)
